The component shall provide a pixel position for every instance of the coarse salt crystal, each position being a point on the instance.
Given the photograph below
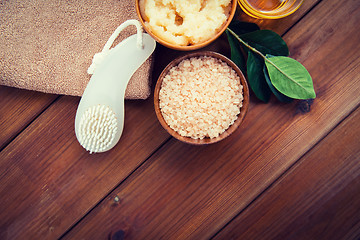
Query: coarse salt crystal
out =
(204, 94)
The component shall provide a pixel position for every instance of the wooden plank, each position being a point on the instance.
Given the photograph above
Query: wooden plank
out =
(17, 109)
(319, 198)
(48, 181)
(190, 192)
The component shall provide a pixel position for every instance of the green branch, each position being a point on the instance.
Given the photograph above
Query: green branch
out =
(256, 51)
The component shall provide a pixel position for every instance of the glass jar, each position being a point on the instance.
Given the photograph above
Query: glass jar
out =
(269, 9)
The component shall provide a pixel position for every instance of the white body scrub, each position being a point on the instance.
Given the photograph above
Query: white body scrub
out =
(201, 97)
(185, 22)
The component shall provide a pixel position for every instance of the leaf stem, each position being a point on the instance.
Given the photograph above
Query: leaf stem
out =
(245, 43)
(259, 53)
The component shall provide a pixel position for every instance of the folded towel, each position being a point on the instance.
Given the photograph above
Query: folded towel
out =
(48, 45)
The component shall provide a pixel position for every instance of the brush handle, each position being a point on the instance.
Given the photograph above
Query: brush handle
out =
(108, 84)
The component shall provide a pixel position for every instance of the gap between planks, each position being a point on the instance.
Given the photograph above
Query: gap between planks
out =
(29, 123)
(292, 166)
(113, 190)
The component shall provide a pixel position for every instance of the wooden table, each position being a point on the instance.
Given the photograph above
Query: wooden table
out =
(291, 171)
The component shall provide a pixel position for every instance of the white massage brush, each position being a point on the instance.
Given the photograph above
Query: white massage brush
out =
(99, 118)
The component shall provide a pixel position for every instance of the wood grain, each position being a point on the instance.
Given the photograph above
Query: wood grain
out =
(48, 181)
(319, 198)
(191, 192)
(17, 109)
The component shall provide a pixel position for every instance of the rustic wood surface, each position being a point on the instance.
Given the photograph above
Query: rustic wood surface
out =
(291, 171)
(17, 109)
(311, 207)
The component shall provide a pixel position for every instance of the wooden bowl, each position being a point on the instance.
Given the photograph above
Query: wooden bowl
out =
(231, 129)
(189, 47)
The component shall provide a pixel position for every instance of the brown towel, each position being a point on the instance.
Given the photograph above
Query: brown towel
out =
(47, 45)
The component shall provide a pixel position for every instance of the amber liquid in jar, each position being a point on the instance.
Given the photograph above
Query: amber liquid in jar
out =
(266, 5)
(269, 9)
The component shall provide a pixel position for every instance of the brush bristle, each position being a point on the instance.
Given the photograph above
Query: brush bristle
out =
(97, 128)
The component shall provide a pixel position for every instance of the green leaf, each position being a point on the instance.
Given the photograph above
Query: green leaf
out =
(256, 77)
(236, 53)
(281, 97)
(243, 27)
(290, 77)
(267, 42)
